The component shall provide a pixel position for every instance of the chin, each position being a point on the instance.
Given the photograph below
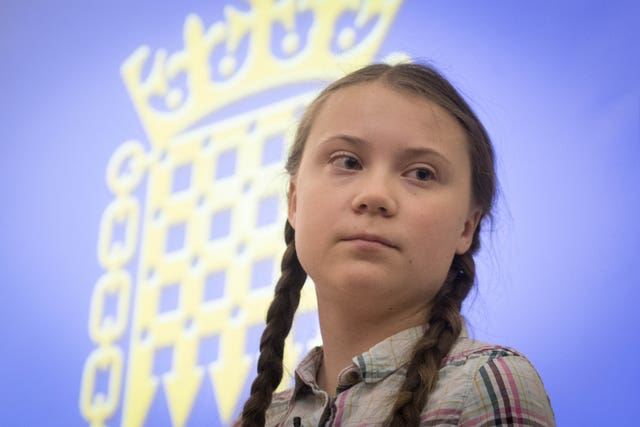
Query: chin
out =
(358, 284)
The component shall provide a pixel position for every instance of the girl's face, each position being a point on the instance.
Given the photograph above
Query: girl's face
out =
(382, 199)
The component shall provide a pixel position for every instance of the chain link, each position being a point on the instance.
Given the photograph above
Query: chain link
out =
(115, 254)
(126, 168)
(97, 406)
(105, 330)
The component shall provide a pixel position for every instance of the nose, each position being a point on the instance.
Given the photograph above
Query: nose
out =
(375, 198)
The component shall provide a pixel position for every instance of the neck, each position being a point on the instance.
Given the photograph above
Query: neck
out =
(346, 333)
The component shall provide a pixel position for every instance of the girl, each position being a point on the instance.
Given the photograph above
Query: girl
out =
(391, 175)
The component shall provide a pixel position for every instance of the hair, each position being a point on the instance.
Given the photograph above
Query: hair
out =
(444, 319)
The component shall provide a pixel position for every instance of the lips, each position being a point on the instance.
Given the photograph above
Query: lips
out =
(371, 238)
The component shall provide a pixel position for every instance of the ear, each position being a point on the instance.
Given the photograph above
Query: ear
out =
(470, 225)
(291, 200)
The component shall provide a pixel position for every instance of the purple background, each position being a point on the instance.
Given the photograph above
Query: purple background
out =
(556, 84)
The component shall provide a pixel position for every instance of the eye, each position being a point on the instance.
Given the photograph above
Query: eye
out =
(422, 174)
(345, 161)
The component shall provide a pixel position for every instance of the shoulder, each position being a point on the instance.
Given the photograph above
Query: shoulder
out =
(277, 409)
(500, 385)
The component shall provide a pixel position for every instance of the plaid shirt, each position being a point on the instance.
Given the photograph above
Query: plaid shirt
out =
(479, 385)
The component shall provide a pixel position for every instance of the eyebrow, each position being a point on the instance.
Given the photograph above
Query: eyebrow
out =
(407, 153)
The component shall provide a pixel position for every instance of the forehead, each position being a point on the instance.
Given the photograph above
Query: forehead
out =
(378, 113)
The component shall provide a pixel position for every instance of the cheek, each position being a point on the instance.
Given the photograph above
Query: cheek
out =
(308, 218)
(439, 236)
(315, 204)
(303, 249)
(308, 209)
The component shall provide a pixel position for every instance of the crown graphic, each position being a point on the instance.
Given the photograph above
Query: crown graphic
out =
(252, 51)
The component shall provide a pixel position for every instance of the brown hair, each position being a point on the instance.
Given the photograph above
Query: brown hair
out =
(444, 317)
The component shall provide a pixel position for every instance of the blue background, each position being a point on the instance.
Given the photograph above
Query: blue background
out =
(556, 83)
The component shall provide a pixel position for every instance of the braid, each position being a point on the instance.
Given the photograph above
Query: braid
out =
(444, 329)
(279, 320)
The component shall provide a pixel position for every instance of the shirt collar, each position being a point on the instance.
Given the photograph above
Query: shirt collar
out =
(306, 372)
(387, 356)
(372, 366)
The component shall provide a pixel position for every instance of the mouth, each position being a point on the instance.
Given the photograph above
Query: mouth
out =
(371, 239)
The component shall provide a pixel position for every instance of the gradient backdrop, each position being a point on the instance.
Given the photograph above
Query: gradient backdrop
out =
(556, 83)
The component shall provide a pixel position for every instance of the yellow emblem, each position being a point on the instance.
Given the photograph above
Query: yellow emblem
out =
(200, 211)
